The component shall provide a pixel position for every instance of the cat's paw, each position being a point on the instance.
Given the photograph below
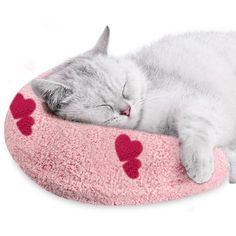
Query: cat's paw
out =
(198, 163)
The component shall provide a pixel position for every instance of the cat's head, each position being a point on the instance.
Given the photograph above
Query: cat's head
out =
(95, 88)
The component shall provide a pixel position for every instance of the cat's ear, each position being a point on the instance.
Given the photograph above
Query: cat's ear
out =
(51, 92)
(102, 43)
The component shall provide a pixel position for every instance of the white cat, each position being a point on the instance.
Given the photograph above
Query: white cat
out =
(183, 86)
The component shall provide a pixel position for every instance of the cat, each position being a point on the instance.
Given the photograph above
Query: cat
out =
(183, 86)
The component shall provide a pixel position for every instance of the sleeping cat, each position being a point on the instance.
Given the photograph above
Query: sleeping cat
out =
(184, 86)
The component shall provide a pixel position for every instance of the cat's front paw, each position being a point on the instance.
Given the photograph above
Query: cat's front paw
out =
(198, 163)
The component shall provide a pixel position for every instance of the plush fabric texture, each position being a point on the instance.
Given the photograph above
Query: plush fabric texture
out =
(98, 165)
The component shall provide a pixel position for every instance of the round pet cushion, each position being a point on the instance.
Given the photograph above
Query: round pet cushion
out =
(95, 164)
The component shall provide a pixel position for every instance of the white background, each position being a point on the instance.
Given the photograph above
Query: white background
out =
(37, 35)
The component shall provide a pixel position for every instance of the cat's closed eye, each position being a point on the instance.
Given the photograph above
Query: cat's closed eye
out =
(105, 105)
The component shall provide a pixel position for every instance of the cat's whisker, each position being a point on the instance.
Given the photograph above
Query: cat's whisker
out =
(107, 121)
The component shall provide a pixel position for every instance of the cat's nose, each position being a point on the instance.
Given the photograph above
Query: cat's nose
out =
(126, 111)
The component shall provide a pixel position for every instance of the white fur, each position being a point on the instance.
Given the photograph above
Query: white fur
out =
(197, 96)
(183, 86)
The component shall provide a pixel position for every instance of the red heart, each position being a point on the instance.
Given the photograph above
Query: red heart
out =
(131, 168)
(21, 107)
(127, 149)
(25, 125)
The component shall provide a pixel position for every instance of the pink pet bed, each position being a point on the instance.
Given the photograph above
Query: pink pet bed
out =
(98, 165)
